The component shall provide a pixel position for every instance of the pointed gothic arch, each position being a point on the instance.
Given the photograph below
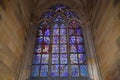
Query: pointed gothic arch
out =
(59, 49)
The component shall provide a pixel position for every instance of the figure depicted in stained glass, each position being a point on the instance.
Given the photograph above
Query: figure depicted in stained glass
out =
(74, 71)
(55, 58)
(63, 59)
(44, 71)
(84, 70)
(63, 70)
(36, 58)
(54, 70)
(45, 58)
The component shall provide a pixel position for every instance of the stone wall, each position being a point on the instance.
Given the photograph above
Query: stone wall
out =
(14, 24)
(106, 36)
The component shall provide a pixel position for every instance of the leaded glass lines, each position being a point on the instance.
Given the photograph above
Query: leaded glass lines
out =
(59, 50)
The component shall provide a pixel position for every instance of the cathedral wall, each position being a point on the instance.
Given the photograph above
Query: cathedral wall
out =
(106, 36)
(14, 24)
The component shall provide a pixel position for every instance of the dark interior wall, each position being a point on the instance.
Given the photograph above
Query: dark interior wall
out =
(14, 24)
(106, 36)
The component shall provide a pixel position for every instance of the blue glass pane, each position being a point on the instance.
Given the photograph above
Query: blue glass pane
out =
(34, 74)
(79, 31)
(82, 58)
(46, 49)
(55, 58)
(44, 71)
(73, 59)
(59, 19)
(74, 71)
(40, 39)
(47, 32)
(62, 26)
(72, 39)
(71, 14)
(63, 59)
(40, 32)
(55, 31)
(47, 15)
(35, 68)
(81, 48)
(63, 49)
(45, 58)
(55, 70)
(55, 40)
(79, 39)
(36, 58)
(83, 70)
(63, 70)
(63, 40)
(55, 49)
(47, 40)
(35, 71)
(55, 26)
(73, 48)
(62, 31)
(71, 32)
(38, 49)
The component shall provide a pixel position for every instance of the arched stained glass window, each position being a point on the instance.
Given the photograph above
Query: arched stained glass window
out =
(59, 49)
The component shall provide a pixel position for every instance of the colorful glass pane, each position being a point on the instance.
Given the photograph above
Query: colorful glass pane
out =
(73, 59)
(63, 40)
(79, 39)
(71, 14)
(55, 40)
(63, 49)
(79, 31)
(38, 49)
(40, 32)
(45, 58)
(55, 31)
(55, 58)
(35, 70)
(81, 48)
(62, 26)
(84, 70)
(59, 19)
(46, 49)
(44, 71)
(47, 40)
(36, 58)
(63, 59)
(47, 32)
(63, 70)
(62, 31)
(74, 71)
(71, 32)
(73, 48)
(82, 58)
(47, 15)
(55, 49)
(40, 39)
(55, 70)
(55, 26)
(72, 39)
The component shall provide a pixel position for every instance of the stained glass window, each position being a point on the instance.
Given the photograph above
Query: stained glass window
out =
(59, 50)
